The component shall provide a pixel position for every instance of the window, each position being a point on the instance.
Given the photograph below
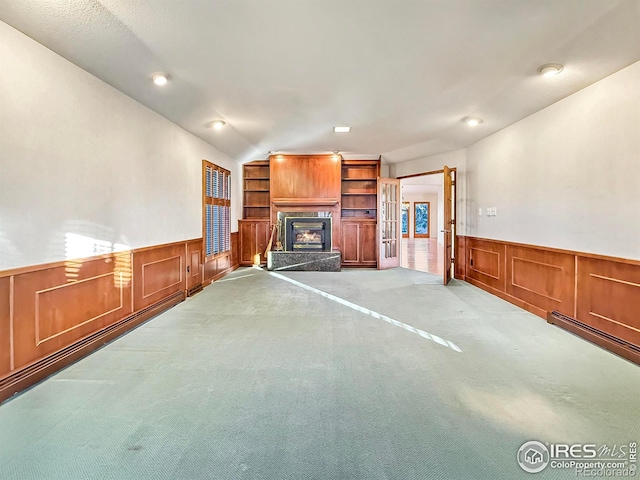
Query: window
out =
(405, 219)
(216, 199)
(421, 225)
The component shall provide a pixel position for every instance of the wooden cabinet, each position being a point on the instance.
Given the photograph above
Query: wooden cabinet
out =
(256, 186)
(359, 243)
(359, 208)
(253, 239)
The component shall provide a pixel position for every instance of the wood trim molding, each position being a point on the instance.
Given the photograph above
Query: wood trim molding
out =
(432, 172)
(161, 245)
(155, 265)
(314, 202)
(70, 310)
(595, 296)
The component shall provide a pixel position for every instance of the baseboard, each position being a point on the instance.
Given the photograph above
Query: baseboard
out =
(195, 289)
(613, 344)
(37, 371)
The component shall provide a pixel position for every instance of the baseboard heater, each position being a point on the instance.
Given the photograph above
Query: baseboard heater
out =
(40, 369)
(605, 340)
(193, 290)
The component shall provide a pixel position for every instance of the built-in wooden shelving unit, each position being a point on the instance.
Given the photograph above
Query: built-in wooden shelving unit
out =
(359, 188)
(255, 179)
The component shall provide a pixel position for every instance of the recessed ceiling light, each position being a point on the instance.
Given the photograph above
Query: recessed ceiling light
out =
(341, 129)
(472, 121)
(218, 124)
(550, 69)
(160, 79)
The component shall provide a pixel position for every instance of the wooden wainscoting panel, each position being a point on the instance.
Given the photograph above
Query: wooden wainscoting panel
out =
(594, 296)
(460, 255)
(57, 306)
(234, 249)
(210, 268)
(486, 262)
(62, 308)
(195, 262)
(541, 278)
(218, 266)
(223, 264)
(159, 273)
(608, 297)
(305, 176)
(5, 325)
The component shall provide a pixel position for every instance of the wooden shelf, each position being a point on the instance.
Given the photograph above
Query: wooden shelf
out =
(256, 189)
(363, 179)
(255, 178)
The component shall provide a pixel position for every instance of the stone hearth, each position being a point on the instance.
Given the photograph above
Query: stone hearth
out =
(304, 261)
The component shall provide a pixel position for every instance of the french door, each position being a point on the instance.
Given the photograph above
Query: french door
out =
(389, 235)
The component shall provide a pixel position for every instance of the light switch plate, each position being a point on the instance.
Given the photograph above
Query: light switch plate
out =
(479, 212)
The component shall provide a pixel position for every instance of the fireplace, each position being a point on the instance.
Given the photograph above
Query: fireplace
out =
(307, 234)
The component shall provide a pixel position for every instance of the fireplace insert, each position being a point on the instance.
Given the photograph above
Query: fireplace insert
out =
(308, 234)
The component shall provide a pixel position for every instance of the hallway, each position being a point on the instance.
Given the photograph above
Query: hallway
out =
(422, 254)
(351, 375)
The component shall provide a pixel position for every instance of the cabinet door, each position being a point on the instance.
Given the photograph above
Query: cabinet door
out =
(350, 244)
(262, 239)
(247, 234)
(368, 243)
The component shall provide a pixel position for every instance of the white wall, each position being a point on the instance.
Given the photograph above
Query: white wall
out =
(432, 198)
(78, 156)
(456, 159)
(567, 176)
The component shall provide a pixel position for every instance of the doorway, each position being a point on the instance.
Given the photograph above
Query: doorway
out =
(423, 222)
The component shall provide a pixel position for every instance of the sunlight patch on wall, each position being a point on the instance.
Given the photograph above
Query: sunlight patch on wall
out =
(77, 247)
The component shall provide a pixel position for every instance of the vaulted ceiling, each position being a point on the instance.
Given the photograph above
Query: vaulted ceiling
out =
(282, 73)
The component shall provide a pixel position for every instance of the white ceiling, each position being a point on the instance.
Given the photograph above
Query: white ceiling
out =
(282, 73)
